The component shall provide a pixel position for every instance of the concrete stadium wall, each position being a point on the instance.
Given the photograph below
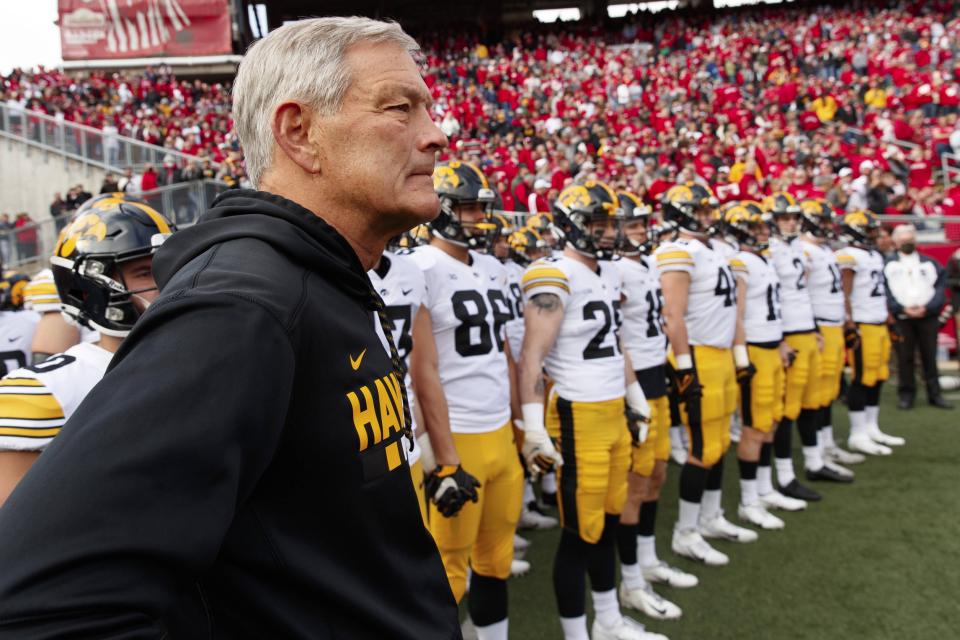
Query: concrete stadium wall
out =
(30, 176)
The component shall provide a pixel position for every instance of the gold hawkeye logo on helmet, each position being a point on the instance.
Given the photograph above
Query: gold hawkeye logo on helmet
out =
(88, 226)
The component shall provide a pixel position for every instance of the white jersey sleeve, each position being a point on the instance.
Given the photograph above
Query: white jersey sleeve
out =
(515, 324)
(585, 362)
(711, 302)
(826, 287)
(762, 317)
(469, 307)
(400, 284)
(791, 265)
(41, 295)
(642, 332)
(868, 300)
(36, 402)
(16, 338)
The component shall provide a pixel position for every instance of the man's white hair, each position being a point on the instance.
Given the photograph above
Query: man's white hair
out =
(901, 230)
(302, 61)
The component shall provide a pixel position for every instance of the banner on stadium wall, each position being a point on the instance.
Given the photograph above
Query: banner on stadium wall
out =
(116, 29)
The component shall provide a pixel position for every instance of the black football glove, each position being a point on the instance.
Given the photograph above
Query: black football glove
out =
(638, 424)
(745, 374)
(449, 487)
(851, 337)
(895, 336)
(687, 385)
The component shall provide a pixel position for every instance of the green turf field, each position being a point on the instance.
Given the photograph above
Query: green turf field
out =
(876, 559)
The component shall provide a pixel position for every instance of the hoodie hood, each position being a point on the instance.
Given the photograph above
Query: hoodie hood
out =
(285, 225)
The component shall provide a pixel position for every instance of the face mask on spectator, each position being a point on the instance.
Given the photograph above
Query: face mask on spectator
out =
(908, 248)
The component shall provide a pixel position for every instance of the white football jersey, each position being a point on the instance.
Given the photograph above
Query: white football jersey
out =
(642, 332)
(515, 324)
(762, 317)
(791, 267)
(724, 248)
(868, 299)
(469, 306)
(826, 287)
(585, 363)
(400, 284)
(36, 402)
(16, 338)
(712, 301)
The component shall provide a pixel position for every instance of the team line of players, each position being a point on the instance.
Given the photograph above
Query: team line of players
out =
(585, 360)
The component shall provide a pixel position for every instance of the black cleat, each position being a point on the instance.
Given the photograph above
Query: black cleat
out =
(905, 403)
(827, 474)
(800, 492)
(940, 402)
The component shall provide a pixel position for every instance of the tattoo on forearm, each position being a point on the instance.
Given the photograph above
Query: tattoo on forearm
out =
(538, 385)
(546, 301)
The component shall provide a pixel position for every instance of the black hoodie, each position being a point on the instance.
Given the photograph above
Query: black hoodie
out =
(238, 473)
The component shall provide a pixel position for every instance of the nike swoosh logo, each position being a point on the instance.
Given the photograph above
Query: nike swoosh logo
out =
(492, 278)
(13, 339)
(356, 363)
(406, 292)
(660, 610)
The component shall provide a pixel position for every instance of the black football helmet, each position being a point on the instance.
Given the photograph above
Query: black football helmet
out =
(818, 218)
(113, 230)
(682, 203)
(741, 224)
(860, 228)
(635, 210)
(459, 183)
(524, 243)
(581, 204)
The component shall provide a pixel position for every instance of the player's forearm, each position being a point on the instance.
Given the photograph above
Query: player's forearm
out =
(436, 414)
(530, 377)
(512, 369)
(676, 330)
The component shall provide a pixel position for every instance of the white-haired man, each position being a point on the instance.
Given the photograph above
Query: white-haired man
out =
(241, 468)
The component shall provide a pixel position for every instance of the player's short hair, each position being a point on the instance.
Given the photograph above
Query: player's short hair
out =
(303, 61)
(901, 230)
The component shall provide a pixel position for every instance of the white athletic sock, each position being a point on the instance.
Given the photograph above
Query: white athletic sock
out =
(647, 551)
(765, 480)
(784, 471)
(676, 436)
(495, 631)
(575, 628)
(710, 507)
(528, 495)
(689, 515)
(812, 459)
(858, 426)
(606, 607)
(826, 437)
(631, 576)
(872, 415)
(748, 492)
(549, 482)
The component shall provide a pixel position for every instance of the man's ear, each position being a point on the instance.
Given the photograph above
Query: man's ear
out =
(291, 126)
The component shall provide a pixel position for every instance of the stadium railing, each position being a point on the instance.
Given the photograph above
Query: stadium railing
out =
(86, 144)
(28, 248)
(949, 165)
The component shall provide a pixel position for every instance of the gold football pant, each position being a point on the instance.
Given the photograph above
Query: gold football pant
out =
(761, 401)
(416, 473)
(831, 364)
(869, 361)
(595, 444)
(481, 534)
(708, 425)
(657, 445)
(802, 377)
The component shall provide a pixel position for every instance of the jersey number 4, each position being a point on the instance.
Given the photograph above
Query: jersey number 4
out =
(725, 288)
(472, 335)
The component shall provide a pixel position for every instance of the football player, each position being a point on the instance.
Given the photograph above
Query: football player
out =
(801, 396)
(644, 342)
(17, 325)
(699, 294)
(102, 269)
(760, 356)
(462, 373)
(865, 332)
(826, 294)
(572, 309)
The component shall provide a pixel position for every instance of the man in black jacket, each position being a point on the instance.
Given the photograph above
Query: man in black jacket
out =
(241, 472)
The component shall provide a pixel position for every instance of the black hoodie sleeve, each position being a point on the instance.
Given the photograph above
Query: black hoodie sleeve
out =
(131, 501)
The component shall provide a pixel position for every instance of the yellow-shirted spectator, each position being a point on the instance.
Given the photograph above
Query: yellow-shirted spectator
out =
(825, 107)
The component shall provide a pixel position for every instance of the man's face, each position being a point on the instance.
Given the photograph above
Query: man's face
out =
(501, 248)
(636, 232)
(604, 232)
(137, 275)
(787, 224)
(379, 149)
(761, 232)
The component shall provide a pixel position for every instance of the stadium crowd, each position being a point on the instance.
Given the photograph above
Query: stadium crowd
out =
(853, 103)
